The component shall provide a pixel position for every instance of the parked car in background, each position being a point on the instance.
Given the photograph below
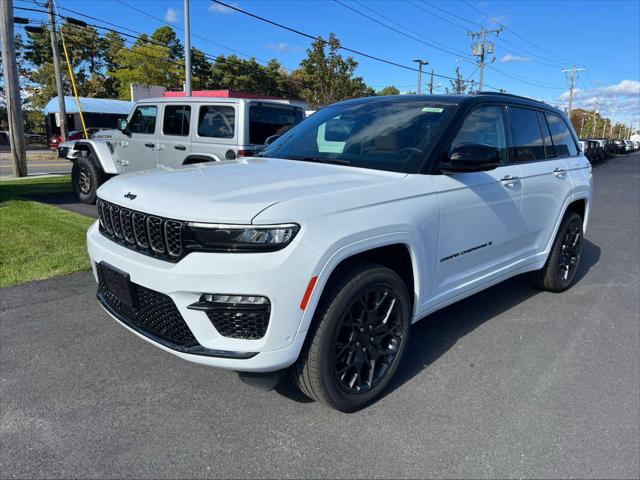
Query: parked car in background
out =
(56, 140)
(173, 131)
(622, 146)
(322, 251)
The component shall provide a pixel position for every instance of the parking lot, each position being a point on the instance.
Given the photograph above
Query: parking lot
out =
(511, 382)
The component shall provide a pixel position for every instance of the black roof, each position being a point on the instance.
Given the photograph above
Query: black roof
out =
(455, 99)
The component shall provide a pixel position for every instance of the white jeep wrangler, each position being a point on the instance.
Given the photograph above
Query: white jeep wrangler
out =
(319, 253)
(174, 131)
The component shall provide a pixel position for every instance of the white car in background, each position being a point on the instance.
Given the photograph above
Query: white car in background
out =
(172, 131)
(318, 255)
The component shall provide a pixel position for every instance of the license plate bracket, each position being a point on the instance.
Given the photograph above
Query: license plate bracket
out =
(118, 283)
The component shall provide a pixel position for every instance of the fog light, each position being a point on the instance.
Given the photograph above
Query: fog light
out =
(236, 299)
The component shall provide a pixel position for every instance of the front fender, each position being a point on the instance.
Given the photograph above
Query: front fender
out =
(101, 152)
(330, 261)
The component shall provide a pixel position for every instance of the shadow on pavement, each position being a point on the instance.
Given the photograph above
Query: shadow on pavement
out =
(435, 334)
(67, 201)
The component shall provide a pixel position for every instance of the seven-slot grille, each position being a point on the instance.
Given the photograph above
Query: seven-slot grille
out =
(149, 234)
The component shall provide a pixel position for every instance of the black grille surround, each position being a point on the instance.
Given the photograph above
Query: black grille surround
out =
(156, 316)
(148, 234)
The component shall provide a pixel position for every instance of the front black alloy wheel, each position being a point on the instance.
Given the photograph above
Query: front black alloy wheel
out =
(86, 177)
(358, 335)
(368, 339)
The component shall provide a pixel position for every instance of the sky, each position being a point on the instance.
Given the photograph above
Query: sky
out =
(540, 39)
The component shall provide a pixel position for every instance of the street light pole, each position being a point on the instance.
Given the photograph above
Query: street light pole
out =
(187, 48)
(420, 64)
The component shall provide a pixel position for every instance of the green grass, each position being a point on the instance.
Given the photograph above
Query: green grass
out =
(39, 241)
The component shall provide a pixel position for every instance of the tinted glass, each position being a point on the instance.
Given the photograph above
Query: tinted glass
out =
(383, 135)
(484, 125)
(546, 136)
(143, 119)
(527, 138)
(267, 120)
(176, 120)
(562, 138)
(216, 121)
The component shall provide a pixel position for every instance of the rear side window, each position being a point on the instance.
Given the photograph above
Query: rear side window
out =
(216, 121)
(484, 125)
(143, 119)
(546, 135)
(267, 120)
(176, 120)
(527, 145)
(562, 138)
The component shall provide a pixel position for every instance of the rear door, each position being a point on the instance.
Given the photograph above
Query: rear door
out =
(139, 151)
(481, 226)
(546, 184)
(215, 132)
(174, 144)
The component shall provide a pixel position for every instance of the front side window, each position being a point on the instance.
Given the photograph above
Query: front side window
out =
(143, 119)
(176, 120)
(216, 121)
(268, 120)
(562, 138)
(484, 125)
(528, 145)
(383, 135)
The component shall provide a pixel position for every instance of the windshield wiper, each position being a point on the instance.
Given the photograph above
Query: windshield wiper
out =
(334, 161)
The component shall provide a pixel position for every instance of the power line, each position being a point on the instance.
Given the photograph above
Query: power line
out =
(514, 32)
(429, 44)
(524, 80)
(314, 38)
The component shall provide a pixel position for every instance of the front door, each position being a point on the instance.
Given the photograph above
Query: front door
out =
(139, 151)
(481, 225)
(174, 142)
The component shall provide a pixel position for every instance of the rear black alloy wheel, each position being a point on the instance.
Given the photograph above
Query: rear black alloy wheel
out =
(367, 339)
(357, 337)
(561, 267)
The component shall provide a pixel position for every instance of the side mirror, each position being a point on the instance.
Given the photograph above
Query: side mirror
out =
(473, 157)
(123, 126)
(269, 140)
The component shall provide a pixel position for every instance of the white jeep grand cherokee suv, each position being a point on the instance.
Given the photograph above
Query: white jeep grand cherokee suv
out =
(321, 252)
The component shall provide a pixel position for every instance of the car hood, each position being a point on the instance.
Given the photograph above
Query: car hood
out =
(233, 191)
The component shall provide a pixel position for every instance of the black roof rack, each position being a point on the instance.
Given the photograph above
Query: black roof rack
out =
(508, 95)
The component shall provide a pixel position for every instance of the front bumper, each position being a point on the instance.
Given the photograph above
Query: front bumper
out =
(280, 276)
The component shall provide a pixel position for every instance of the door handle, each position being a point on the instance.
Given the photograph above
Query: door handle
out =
(559, 172)
(509, 180)
(150, 145)
(180, 147)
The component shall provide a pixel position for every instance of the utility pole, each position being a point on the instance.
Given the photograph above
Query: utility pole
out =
(593, 130)
(187, 48)
(12, 90)
(64, 131)
(482, 50)
(582, 126)
(420, 64)
(431, 84)
(573, 71)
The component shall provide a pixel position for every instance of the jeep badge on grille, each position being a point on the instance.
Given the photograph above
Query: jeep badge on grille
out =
(130, 196)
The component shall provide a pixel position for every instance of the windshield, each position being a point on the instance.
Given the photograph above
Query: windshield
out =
(384, 135)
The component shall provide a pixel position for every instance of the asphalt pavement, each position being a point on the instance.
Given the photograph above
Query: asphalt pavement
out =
(511, 382)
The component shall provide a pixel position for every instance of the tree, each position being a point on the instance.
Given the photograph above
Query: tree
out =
(459, 85)
(390, 90)
(327, 77)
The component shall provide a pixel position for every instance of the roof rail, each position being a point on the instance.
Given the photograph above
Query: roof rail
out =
(508, 95)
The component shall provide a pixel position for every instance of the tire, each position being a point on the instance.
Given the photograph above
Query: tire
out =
(559, 271)
(86, 177)
(321, 372)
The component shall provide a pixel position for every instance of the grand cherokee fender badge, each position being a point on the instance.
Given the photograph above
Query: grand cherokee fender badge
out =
(130, 196)
(464, 252)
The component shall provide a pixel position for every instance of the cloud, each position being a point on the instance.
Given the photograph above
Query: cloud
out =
(510, 58)
(621, 99)
(171, 15)
(217, 8)
(283, 47)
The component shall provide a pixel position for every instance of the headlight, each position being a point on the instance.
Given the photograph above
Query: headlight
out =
(239, 238)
